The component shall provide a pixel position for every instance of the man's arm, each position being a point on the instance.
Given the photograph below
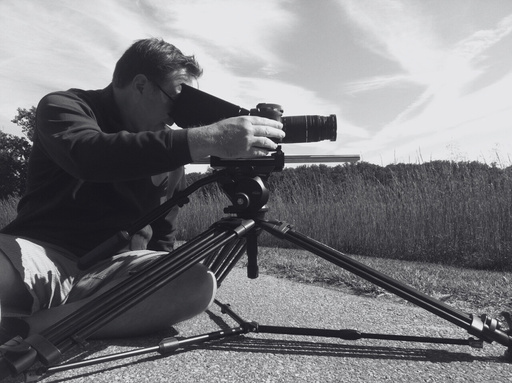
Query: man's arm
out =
(71, 136)
(68, 130)
(237, 137)
(164, 228)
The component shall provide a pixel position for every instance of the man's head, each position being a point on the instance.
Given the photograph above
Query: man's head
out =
(146, 79)
(154, 58)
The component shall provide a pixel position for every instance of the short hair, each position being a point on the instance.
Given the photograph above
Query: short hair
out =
(155, 59)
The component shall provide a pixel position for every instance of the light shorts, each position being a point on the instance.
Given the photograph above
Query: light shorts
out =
(53, 278)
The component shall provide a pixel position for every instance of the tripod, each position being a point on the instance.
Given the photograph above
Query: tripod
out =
(220, 247)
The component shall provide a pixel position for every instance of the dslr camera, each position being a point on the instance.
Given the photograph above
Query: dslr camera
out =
(196, 108)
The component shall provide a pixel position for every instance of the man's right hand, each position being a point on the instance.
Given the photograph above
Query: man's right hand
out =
(236, 137)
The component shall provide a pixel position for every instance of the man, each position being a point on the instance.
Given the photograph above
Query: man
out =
(100, 160)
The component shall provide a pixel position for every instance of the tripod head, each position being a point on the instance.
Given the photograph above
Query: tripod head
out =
(243, 181)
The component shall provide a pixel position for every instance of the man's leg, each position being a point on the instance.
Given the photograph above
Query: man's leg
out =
(184, 297)
(33, 276)
(37, 276)
(13, 292)
(14, 298)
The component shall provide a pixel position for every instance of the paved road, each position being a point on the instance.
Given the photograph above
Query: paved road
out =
(270, 358)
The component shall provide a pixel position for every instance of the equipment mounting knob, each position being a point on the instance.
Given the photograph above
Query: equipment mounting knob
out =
(242, 200)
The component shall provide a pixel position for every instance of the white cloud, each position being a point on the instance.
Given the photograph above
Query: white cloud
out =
(470, 123)
(374, 83)
(443, 114)
(397, 31)
(73, 43)
(58, 45)
(237, 28)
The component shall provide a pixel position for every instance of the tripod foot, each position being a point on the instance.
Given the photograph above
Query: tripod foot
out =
(508, 320)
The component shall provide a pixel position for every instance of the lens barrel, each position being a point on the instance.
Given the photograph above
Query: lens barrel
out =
(309, 128)
(300, 128)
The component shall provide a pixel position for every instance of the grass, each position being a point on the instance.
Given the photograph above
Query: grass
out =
(452, 214)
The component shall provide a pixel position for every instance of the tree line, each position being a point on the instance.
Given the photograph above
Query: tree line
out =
(14, 154)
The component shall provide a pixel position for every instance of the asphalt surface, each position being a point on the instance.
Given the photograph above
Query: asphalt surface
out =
(257, 357)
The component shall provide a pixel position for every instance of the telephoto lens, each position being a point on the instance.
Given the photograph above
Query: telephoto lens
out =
(195, 108)
(309, 128)
(300, 128)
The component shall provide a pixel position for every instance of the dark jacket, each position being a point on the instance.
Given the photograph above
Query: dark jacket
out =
(89, 178)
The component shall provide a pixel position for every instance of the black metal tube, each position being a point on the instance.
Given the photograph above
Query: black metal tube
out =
(165, 346)
(216, 261)
(253, 270)
(348, 334)
(236, 253)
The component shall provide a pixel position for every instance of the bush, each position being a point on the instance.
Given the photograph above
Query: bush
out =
(14, 153)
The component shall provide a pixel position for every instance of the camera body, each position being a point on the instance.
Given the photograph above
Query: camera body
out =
(196, 108)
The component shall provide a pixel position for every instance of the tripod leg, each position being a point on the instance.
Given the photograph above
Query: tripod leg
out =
(252, 255)
(222, 262)
(485, 328)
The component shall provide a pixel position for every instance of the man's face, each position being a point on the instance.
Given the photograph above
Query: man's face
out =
(155, 105)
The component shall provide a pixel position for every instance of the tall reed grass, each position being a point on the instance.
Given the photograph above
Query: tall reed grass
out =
(448, 213)
(457, 214)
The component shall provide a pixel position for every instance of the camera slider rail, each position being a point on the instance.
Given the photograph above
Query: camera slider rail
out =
(300, 159)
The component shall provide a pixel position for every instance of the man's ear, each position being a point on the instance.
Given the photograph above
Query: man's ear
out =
(139, 82)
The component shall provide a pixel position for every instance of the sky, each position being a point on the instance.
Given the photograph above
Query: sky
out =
(409, 80)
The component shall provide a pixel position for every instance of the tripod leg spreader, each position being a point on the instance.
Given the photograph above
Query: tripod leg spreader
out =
(19, 354)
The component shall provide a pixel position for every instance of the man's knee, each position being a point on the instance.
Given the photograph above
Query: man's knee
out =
(203, 285)
(192, 292)
(186, 296)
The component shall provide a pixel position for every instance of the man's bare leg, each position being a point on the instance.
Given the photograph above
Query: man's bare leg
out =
(13, 292)
(184, 297)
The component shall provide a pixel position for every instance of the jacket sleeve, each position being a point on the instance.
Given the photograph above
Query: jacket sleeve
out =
(69, 132)
(164, 229)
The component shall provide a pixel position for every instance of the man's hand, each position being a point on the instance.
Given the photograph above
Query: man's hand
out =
(237, 137)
